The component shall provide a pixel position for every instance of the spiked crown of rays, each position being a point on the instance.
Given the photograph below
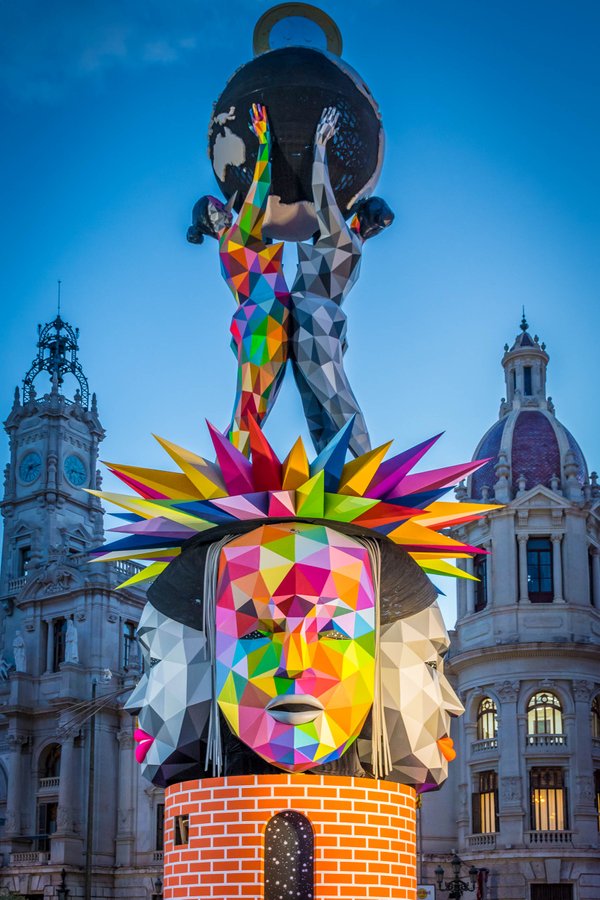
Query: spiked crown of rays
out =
(377, 496)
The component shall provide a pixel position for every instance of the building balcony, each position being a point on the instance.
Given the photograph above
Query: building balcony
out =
(548, 837)
(546, 740)
(482, 841)
(16, 584)
(157, 857)
(485, 745)
(49, 784)
(30, 858)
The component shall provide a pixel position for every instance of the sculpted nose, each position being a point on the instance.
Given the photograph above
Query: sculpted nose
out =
(294, 659)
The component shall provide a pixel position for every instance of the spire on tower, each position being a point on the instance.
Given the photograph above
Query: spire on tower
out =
(524, 324)
(57, 355)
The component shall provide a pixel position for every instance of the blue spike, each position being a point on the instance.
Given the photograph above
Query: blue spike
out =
(139, 542)
(204, 509)
(333, 457)
(419, 501)
(128, 517)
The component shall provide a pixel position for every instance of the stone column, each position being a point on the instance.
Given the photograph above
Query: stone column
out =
(67, 843)
(64, 820)
(14, 798)
(125, 792)
(523, 582)
(512, 800)
(585, 816)
(557, 568)
(596, 577)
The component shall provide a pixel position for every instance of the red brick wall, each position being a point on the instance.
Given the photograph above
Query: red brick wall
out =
(364, 835)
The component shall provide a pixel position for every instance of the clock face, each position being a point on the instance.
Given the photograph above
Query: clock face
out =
(30, 467)
(75, 470)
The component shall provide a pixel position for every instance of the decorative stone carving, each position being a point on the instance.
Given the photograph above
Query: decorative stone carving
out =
(71, 643)
(511, 789)
(507, 691)
(19, 652)
(582, 690)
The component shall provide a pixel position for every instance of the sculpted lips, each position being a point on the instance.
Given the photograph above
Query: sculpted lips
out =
(446, 745)
(294, 709)
(144, 742)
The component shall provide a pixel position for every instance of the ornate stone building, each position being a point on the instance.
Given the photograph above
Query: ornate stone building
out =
(69, 657)
(523, 796)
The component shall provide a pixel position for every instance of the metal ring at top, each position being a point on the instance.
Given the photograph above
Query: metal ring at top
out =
(264, 26)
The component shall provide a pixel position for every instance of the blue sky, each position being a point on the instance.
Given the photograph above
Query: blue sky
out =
(493, 143)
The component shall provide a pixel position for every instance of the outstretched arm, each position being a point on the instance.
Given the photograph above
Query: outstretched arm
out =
(252, 214)
(329, 215)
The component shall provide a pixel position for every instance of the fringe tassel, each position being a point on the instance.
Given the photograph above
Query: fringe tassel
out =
(381, 757)
(214, 753)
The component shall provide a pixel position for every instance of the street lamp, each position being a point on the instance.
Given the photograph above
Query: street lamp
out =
(62, 891)
(158, 886)
(456, 887)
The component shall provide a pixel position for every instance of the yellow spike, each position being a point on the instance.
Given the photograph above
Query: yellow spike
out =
(430, 554)
(172, 484)
(205, 476)
(441, 567)
(310, 497)
(152, 509)
(123, 555)
(358, 474)
(149, 572)
(295, 468)
(412, 533)
(440, 512)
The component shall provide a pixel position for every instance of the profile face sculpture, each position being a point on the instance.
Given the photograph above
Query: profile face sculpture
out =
(295, 642)
(418, 699)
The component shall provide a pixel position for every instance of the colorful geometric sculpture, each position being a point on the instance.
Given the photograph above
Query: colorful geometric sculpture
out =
(295, 642)
(327, 271)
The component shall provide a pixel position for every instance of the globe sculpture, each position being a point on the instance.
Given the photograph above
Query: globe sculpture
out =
(296, 83)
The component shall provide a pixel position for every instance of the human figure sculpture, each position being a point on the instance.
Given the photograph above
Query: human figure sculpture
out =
(71, 643)
(327, 271)
(253, 270)
(19, 652)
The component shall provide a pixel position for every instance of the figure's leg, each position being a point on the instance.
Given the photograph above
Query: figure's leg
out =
(319, 335)
(260, 337)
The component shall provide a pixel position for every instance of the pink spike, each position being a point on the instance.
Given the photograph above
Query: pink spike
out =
(141, 489)
(392, 470)
(282, 503)
(266, 467)
(235, 468)
(252, 506)
(436, 478)
(160, 526)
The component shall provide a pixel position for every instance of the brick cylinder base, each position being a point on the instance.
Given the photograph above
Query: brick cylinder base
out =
(364, 836)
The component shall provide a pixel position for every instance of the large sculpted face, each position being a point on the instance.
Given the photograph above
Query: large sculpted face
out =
(418, 698)
(295, 642)
(172, 698)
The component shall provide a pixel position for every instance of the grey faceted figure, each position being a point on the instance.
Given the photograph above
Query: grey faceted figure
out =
(327, 271)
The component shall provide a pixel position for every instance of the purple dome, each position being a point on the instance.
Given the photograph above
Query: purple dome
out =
(535, 445)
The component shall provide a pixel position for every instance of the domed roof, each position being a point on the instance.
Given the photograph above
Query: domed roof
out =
(528, 446)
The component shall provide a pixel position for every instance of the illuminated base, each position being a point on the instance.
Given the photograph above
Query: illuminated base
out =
(364, 838)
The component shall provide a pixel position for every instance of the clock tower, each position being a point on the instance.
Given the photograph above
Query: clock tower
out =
(54, 440)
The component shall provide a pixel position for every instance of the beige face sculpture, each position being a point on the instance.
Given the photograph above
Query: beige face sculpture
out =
(418, 700)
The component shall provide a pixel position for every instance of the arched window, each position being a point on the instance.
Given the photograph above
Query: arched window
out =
(596, 717)
(544, 719)
(50, 762)
(289, 857)
(487, 720)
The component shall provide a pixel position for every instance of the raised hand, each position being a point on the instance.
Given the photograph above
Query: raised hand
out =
(259, 124)
(327, 126)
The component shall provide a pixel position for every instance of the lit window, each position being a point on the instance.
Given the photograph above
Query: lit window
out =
(539, 570)
(487, 720)
(485, 803)
(548, 797)
(544, 714)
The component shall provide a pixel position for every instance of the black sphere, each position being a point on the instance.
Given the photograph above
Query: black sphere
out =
(296, 84)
